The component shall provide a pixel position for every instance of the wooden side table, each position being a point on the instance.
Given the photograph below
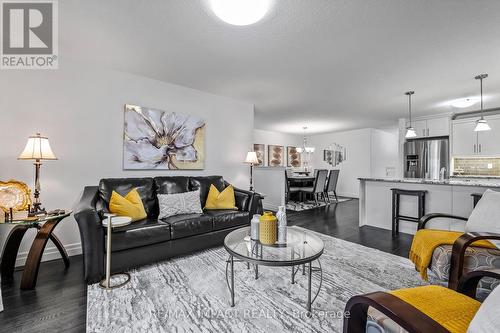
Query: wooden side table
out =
(45, 226)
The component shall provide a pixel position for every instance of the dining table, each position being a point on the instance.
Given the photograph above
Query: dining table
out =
(301, 179)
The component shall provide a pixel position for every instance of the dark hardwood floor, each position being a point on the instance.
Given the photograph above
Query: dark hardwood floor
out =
(60, 300)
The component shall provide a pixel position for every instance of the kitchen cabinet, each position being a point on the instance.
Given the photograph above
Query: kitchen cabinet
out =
(464, 139)
(438, 126)
(431, 127)
(466, 142)
(489, 141)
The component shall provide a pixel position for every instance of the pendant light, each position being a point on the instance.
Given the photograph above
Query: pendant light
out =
(305, 148)
(410, 131)
(481, 123)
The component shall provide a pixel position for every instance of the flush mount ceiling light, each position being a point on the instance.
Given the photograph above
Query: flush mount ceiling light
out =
(481, 123)
(240, 12)
(464, 102)
(410, 131)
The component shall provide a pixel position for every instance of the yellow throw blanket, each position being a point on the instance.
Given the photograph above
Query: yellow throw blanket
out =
(450, 309)
(426, 240)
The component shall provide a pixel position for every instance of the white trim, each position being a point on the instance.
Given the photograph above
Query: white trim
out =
(433, 116)
(269, 207)
(51, 253)
(348, 195)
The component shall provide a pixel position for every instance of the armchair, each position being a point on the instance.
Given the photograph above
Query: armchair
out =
(450, 262)
(410, 316)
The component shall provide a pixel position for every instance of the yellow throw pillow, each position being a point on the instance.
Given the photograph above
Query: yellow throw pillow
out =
(131, 205)
(221, 200)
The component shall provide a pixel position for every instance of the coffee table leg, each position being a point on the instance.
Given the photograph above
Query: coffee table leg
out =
(304, 269)
(256, 272)
(309, 285)
(232, 281)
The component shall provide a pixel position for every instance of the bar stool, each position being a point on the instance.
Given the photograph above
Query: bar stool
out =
(396, 217)
(475, 198)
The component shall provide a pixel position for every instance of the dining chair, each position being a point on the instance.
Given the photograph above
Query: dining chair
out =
(318, 189)
(331, 185)
(289, 189)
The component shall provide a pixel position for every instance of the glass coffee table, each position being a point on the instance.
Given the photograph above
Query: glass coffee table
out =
(301, 250)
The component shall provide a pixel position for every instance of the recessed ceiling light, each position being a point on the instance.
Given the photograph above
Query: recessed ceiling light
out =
(240, 12)
(464, 102)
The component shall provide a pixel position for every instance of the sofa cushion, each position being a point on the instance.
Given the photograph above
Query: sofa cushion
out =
(476, 258)
(223, 219)
(145, 186)
(171, 185)
(203, 184)
(188, 225)
(486, 215)
(487, 319)
(137, 234)
(179, 203)
(130, 205)
(221, 199)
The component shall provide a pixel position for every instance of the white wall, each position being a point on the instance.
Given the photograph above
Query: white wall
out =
(270, 181)
(357, 143)
(369, 152)
(80, 109)
(384, 153)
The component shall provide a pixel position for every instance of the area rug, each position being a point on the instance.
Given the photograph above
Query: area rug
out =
(298, 206)
(190, 294)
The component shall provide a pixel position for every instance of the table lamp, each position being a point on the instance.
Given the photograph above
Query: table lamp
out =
(252, 160)
(37, 148)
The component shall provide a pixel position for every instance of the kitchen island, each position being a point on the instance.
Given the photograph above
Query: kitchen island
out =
(451, 196)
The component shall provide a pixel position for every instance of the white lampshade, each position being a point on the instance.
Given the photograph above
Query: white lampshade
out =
(482, 125)
(252, 158)
(37, 148)
(410, 132)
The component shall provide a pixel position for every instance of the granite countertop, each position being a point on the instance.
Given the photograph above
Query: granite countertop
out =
(455, 182)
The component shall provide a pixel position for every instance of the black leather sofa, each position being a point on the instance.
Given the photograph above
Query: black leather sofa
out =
(151, 240)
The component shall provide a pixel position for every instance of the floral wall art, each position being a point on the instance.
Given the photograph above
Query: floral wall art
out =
(259, 150)
(156, 139)
(275, 156)
(293, 157)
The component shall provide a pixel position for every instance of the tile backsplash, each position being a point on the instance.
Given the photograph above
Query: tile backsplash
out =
(476, 166)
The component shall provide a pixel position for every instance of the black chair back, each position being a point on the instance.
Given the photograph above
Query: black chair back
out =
(287, 182)
(333, 179)
(320, 180)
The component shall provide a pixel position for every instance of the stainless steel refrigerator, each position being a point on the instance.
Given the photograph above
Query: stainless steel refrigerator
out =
(427, 158)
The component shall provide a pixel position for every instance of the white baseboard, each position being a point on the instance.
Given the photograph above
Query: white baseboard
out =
(272, 207)
(50, 253)
(348, 195)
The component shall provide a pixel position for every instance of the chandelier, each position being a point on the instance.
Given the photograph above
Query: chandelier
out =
(305, 148)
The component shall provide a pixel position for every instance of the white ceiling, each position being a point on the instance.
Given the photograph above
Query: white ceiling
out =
(330, 64)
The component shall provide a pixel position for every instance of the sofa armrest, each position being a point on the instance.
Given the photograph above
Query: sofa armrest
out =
(404, 314)
(469, 282)
(458, 254)
(91, 233)
(426, 218)
(242, 199)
